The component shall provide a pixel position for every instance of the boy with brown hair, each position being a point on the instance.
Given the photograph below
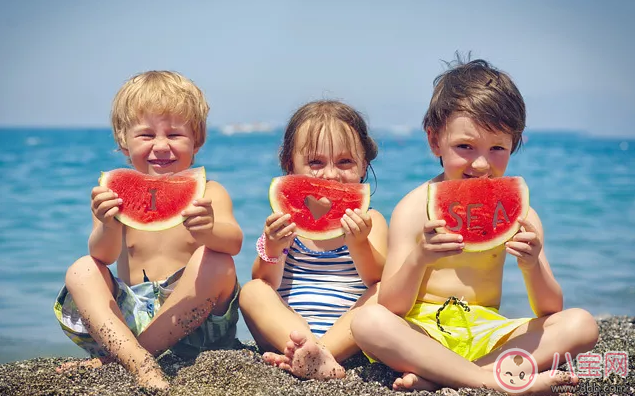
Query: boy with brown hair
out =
(175, 288)
(474, 123)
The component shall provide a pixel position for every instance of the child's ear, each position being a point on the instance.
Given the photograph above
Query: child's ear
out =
(433, 142)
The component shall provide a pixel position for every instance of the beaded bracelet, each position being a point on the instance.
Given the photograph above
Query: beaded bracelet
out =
(260, 248)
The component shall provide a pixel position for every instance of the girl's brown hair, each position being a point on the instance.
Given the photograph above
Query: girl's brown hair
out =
(325, 115)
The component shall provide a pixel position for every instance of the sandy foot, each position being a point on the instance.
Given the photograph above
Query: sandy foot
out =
(149, 374)
(83, 364)
(306, 359)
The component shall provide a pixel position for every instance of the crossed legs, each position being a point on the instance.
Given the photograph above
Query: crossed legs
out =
(276, 327)
(426, 364)
(206, 285)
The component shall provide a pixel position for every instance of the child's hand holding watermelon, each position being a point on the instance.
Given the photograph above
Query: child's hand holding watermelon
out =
(105, 204)
(356, 225)
(438, 245)
(278, 234)
(526, 245)
(199, 218)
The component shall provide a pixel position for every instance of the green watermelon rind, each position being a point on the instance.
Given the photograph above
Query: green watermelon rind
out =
(498, 240)
(276, 207)
(197, 173)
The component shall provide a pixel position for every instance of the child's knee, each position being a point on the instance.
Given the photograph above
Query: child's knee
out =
(584, 325)
(217, 266)
(368, 320)
(80, 271)
(578, 326)
(251, 292)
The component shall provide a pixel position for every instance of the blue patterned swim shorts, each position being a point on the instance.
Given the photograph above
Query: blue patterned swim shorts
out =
(139, 304)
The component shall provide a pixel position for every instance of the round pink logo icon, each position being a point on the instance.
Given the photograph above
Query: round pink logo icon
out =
(515, 370)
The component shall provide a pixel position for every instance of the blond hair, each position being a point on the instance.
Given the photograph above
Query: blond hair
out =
(162, 93)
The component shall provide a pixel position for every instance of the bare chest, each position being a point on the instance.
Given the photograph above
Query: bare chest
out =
(158, 253)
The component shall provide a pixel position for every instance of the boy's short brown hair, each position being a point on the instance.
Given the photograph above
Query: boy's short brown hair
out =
(483, 93)
(159, 92)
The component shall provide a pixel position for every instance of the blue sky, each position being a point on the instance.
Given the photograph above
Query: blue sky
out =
(63, 61)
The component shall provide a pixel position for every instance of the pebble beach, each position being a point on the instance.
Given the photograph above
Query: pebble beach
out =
(241, 371)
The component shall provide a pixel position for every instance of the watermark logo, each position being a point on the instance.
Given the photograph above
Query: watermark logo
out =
(515, 370)
(590, 364)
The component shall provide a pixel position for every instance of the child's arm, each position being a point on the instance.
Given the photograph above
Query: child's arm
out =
(366, 236)
(277, 236)
(211, 221)
(413, 244)
(544, 292)
(104, 242)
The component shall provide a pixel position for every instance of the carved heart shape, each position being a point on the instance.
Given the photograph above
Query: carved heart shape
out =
(317, 207)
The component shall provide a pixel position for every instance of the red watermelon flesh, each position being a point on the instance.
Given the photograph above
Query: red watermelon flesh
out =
(484, 211)
(317, 205)
(154, 203)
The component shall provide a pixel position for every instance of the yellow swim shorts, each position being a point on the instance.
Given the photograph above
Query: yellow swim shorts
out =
(471, 331)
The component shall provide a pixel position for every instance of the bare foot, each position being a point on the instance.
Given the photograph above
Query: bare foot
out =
(150, 375)
(87, 363)
(306, 359)
(410, 381)
(275, 359)
(547, 384)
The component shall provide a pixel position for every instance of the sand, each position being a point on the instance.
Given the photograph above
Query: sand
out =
(243, 372)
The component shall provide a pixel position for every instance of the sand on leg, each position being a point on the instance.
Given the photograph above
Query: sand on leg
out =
(206, 286)
(91, 286)
(270, 320)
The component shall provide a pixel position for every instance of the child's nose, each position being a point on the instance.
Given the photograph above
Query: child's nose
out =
(161, 144)
(480, 163)
(331, 173)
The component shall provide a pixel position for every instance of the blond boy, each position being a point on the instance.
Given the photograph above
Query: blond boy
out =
(438, 321)
(175, 288)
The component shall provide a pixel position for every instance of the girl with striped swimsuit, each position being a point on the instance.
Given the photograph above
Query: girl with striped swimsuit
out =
(304, 293)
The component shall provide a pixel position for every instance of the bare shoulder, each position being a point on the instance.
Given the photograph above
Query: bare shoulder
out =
(214, 185)
(413, 202)
(215, 189)
(376, 215)
(221, 201)
(410, 213)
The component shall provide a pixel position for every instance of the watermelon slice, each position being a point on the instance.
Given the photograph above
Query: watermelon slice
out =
(154, 203)
(317, 205)
(484, 211)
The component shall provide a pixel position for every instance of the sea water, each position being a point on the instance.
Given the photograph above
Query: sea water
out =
(582, 187)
